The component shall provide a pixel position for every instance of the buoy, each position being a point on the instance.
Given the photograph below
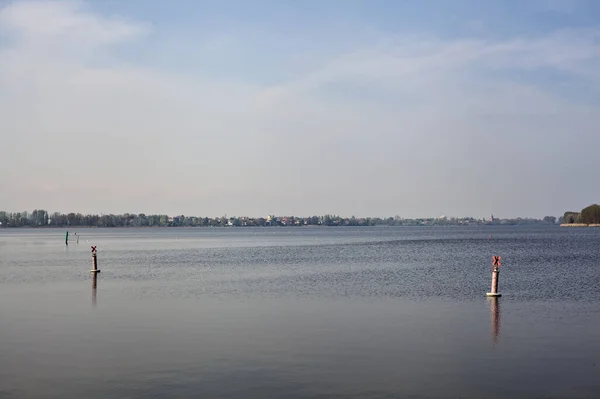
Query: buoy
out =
(94, 261)
(495, 274)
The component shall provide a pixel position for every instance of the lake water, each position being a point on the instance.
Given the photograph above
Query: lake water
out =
(300, 313)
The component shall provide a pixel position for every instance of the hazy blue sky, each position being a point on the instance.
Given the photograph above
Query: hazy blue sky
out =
(410, 108)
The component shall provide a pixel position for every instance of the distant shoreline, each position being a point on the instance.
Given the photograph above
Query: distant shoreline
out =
(286, 227)
(579, 225)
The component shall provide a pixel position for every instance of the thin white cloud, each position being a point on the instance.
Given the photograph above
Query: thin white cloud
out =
(66, 21)
(392, 62)
(410, 126)
(561, 6)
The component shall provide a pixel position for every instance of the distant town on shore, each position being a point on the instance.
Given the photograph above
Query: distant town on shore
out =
(42, 218)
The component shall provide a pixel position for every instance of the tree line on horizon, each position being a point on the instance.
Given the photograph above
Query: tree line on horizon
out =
(42, 218)
(588, 215)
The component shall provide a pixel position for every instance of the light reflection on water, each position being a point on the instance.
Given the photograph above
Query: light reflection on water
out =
(495, 313)
(94, 287)
(304, 313)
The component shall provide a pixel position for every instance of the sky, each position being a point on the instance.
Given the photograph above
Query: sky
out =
(365, 108)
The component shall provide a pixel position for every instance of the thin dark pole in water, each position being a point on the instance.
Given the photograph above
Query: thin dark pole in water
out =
(67, 238)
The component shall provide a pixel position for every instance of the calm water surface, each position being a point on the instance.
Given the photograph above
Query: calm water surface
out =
(300, 313)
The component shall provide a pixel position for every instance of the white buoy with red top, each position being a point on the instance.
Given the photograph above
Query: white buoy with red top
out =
(495, 275)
